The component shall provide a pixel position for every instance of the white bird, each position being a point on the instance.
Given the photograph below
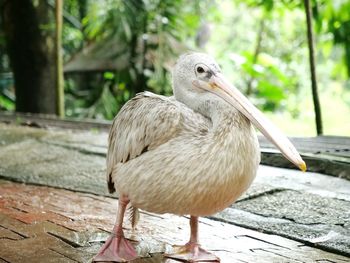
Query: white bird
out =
(191, 154)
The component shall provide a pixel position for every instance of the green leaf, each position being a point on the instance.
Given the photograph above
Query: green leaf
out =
(6, 103)
(108, 75)
(270, 91)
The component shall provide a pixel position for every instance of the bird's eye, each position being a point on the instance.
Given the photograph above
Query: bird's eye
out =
(200, 69)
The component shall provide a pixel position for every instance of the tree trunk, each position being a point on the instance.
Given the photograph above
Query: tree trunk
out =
(317, 107)
(59, 61)
(30, 35)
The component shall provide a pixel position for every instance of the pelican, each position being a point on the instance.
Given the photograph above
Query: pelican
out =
(191, 154)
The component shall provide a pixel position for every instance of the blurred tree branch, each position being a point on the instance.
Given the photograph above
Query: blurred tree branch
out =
(59, 61)
(256, 52)
(315, 97)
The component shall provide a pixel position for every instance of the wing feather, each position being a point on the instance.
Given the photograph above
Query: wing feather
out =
(145, 122)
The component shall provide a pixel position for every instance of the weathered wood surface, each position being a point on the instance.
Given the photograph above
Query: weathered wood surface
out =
(309, 208)
(324, 154)
(42, 224)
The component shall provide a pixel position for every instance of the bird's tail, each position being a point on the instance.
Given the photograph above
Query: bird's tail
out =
(134, 216)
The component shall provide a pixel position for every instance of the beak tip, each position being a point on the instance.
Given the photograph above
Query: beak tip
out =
(302, 166)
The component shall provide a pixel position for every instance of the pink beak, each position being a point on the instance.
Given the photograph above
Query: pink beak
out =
(222, 88)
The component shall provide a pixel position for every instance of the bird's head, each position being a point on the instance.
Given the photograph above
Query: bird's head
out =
(198, 74)
(192, 67)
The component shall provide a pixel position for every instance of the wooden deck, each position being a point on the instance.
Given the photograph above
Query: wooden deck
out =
(323, 154)
(41, 224)
(54, 205)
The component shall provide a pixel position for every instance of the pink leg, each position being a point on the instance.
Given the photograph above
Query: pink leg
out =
(117, 248)
(192, 252)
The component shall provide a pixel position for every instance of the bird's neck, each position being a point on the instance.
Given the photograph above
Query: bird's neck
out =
(225, 118)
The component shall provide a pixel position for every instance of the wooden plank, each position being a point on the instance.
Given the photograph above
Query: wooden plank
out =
(74, 224)
(333, 146)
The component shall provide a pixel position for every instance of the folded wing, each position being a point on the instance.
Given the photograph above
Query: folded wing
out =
(145, 122)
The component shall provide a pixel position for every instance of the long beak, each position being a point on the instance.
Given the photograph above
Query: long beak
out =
(221, 87)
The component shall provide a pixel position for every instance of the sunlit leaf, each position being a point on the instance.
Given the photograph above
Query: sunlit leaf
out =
(6, 104)
(108, 75)
(270, 91)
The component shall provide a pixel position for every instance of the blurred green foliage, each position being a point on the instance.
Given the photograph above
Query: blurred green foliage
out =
(261, 44)
(151, 34)
(265, 52)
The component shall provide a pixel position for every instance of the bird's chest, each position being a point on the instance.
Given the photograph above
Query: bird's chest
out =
(197, 175)
(227, 170)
